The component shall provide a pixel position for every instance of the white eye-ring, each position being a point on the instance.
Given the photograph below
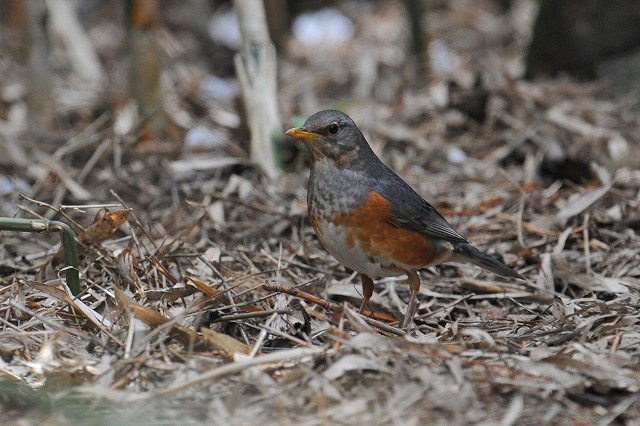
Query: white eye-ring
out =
(333, 128)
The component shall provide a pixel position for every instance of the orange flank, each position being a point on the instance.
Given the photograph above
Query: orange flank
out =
(370, 225)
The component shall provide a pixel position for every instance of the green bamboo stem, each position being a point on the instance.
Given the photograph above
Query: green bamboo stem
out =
(69, 247)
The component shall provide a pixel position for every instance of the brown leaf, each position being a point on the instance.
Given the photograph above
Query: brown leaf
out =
(127, 266)
(169, 295)
(225, 343)
(162, 269)
(202, 286)
(155, 319)
(105, 224)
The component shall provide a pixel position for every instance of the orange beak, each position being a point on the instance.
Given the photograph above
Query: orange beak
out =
(300, 133)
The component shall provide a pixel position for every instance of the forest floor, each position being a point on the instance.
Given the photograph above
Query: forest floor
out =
(190, 256)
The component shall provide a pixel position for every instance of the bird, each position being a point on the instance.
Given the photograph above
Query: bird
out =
(371, 220)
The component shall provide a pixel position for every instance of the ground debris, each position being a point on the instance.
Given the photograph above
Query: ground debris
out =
(207, 298)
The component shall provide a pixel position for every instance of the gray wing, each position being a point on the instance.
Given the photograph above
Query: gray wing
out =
(411, 211)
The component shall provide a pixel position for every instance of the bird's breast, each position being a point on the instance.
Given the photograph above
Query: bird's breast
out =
(363, 239)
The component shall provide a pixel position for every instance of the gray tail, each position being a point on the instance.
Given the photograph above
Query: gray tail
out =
(483, 260)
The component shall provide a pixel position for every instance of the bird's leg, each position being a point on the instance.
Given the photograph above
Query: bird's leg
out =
(414, 286)
(367, 291)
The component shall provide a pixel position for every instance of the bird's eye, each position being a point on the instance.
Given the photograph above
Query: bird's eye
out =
(333, 128)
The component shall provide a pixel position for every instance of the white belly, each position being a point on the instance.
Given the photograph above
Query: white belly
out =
(335, 240)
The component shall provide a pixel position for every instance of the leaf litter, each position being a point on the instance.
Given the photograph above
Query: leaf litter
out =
(207, 298)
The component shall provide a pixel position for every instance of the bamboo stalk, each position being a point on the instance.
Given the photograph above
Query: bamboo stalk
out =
(68, 243)
(256, 69)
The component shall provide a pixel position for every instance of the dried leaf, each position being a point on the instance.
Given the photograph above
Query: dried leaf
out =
(202, 286)
(74, 303)
(352, 362)
(155, 319)
(578, 204)
(225, 343)
(104, 225)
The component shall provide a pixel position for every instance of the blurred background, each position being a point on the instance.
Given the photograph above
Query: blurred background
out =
(92, 91)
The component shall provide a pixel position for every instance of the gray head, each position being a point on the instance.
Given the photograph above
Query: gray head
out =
(334, 136)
